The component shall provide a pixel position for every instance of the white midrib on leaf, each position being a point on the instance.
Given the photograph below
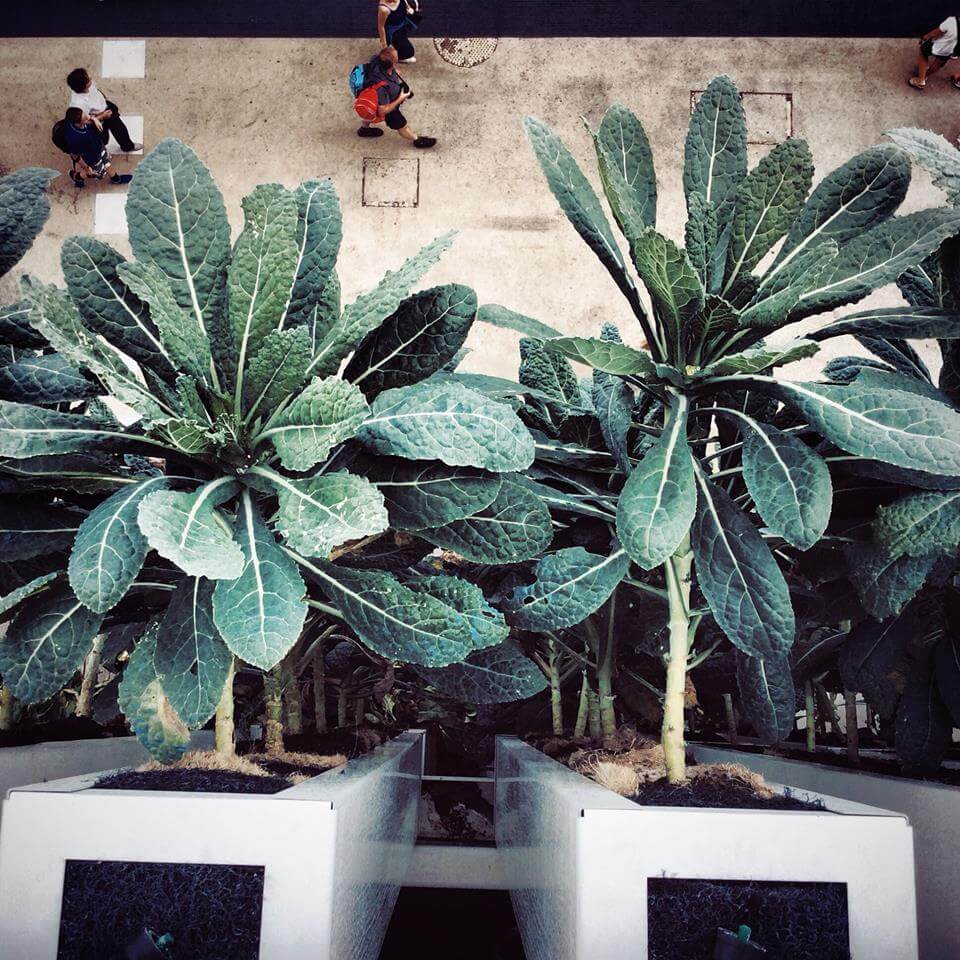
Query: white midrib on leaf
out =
(938, 507)
(200, 498)
(606, 561)
(301, 253)
(678, 426)
(254, 563)
(182, 248)
(42, 639)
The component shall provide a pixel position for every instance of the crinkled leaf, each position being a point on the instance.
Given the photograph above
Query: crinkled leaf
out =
(935, 154)
(191, 659)
(605, 355)
(896, 427)
(422, 335)
(24, 208)
(323, 512)
(369, 310)
(15, 329)
(672, 282)
(767, 695)
(186, 529)
(700, 235)
(325, 313)
(515, 526)
(28, 530)
(912, 323)
(260, 613)
(24, 591)
(177, 220)
(468, 600)
(402, 624)
(27, 431)
(44, 380)
(420, 495)
(319, 232)
(183, 337)
(924, 727)
(872, 659)
(501, 674)
(45, 644)
(261, 272)
(146, 707)
(110, 548)
(446, 421)
(920, 524)
(626, 170)
(849, 201)
(758, 358)
(768, 200)
(659, 499)
(278, 369)
(884, 584)
(715, 153)
(547, 372)
(876, 258)
(570, 584)
(497, 316)
(780, 292)
(739, 577)
(789, 483)
(613, 405)
(108, 306)
(326, 413)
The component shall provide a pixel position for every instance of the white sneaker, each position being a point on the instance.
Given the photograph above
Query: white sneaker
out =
(408, 60)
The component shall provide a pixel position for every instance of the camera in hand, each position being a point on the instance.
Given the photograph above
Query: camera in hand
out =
(404, 88)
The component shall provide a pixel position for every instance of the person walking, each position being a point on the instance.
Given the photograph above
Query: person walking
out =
(94, 104)
(392, 90)
(395, 20)
(936, 48)
(83, 138)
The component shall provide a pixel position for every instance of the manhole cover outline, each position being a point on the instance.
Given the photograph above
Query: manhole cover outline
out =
(465, 51)
(788, 98)
(396, 204)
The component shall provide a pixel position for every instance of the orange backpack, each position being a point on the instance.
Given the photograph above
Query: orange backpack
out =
(367, 103)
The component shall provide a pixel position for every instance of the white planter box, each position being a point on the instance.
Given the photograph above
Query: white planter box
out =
(56, 759)
(934, 812)
(577, 857)
(335, 850)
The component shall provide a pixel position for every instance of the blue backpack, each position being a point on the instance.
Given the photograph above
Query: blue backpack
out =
(357, 79)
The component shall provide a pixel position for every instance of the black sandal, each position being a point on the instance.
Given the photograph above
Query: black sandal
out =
(369, 132)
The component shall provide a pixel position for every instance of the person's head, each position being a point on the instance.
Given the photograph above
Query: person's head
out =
(388, 56)
(78, 80)
(76, 116)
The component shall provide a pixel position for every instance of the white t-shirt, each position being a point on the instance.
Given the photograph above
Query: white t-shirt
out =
(93, 99)
(944, 46)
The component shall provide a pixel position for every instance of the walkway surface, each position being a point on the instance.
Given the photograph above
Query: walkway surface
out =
(279, 110)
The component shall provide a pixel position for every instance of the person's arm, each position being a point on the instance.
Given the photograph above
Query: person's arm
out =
(386, 108)
(382, 14)
(95, 120)
(932, 35)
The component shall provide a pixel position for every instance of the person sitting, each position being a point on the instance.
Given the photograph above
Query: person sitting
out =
(91, 101)
(83, 136)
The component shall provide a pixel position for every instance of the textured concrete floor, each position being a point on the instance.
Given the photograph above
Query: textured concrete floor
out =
(279, 110)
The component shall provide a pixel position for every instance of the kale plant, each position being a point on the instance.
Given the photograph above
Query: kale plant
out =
(716, 475)
(273, 436)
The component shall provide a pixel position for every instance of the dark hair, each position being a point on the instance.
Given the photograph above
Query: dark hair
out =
(73, 115)
(78, 79)
(385, 57)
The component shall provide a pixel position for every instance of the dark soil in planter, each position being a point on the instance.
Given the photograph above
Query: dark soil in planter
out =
(888, 768)
(350, 741)
(454, 811)
(716, 792)
(72, 728)
(193, 781)
(793, 921)
(212, 910)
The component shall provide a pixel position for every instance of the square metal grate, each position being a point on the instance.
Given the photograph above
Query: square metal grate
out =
(391, 182)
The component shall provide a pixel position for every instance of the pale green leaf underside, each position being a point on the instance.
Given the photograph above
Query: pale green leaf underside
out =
(501, 674)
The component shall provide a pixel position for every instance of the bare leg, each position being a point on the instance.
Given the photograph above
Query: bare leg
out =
(407, 133)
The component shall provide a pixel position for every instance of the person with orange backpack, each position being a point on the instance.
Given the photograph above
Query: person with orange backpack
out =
(379, 99)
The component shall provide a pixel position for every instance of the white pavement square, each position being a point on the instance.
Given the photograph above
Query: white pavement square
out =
(110, 211)
(124, 58)
(135, 126)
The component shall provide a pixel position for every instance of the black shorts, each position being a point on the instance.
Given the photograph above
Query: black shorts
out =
(926, 48)
(396, 120)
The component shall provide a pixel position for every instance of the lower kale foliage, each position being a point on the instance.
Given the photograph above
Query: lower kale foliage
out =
(215, 434)
(684, 469)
